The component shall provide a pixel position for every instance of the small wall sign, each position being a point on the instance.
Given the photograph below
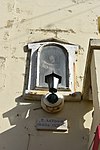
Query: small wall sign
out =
(54, 124)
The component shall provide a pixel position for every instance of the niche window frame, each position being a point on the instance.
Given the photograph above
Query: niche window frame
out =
(36, 47)
(48, 64)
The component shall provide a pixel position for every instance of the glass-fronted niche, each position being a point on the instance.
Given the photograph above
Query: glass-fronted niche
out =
(51, 56)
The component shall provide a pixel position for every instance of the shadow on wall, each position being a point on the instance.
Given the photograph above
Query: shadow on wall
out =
(23, 134)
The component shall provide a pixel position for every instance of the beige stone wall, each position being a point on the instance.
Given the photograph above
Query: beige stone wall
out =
(95, 81)
(22, 133)
(21, 22)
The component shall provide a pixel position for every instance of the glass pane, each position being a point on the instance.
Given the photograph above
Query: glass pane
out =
(54, 58)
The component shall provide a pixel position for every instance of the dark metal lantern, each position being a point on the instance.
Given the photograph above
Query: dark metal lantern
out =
(53, 80)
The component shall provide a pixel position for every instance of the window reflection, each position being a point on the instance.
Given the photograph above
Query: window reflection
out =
(54, 58)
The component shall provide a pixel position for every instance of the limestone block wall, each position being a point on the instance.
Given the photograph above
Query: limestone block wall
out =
(22, 22)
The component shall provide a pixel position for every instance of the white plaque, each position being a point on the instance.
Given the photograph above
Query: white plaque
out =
(55, 124)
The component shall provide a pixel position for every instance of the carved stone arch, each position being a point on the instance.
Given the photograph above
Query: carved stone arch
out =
(42, 55)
